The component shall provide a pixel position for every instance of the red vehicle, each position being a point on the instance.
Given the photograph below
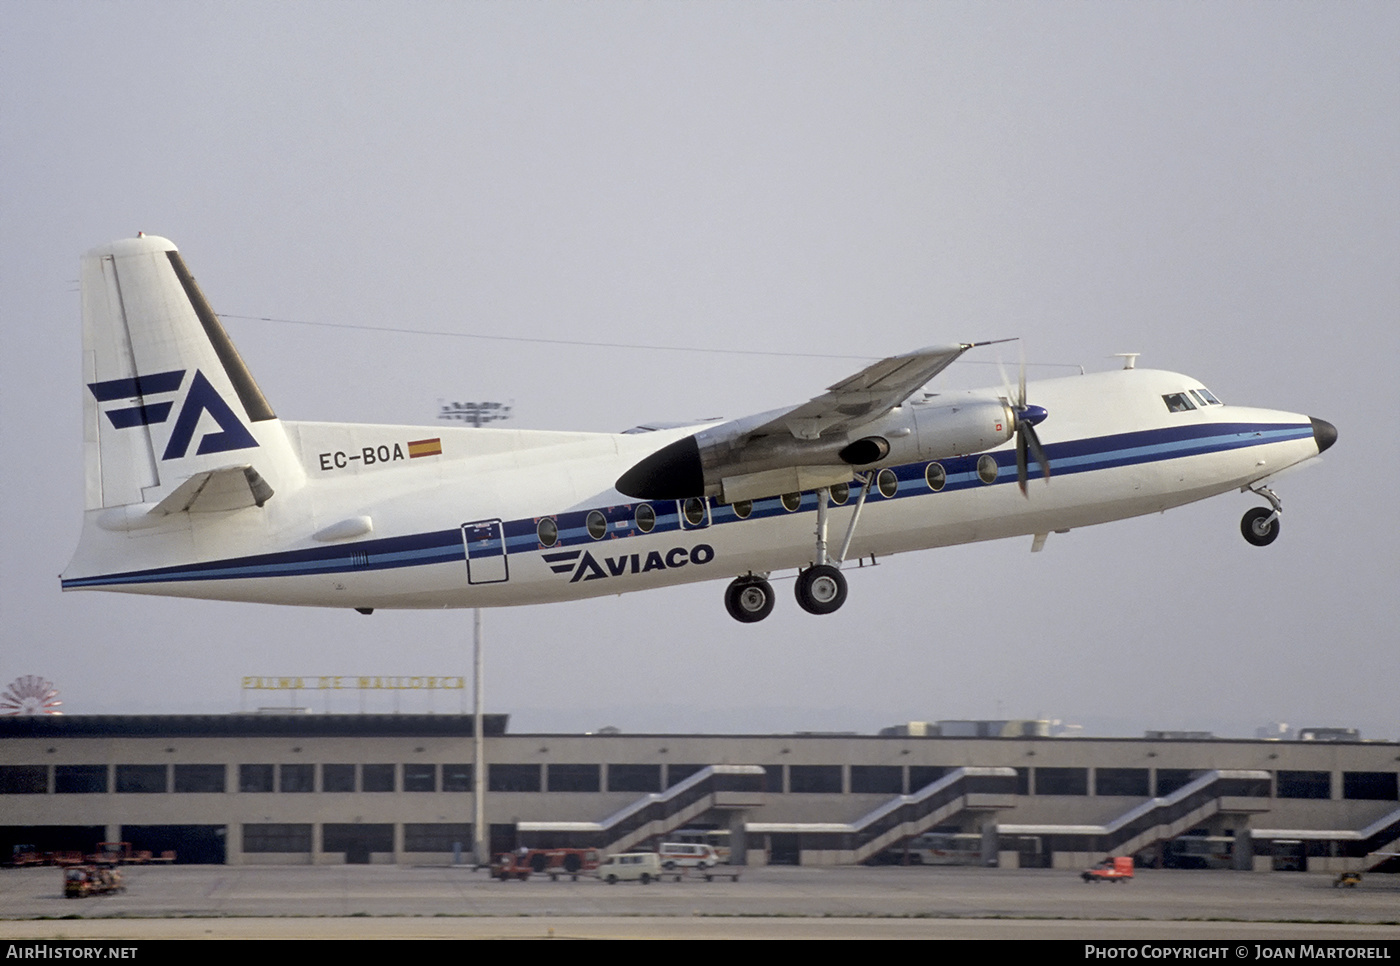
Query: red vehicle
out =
(91, 880)
(1113, 869)
(510, 865)
(551, 862)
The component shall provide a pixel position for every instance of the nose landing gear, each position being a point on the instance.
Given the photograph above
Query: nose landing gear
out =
(1260, 526)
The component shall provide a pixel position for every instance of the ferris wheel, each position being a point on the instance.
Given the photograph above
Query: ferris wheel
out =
(30, 694)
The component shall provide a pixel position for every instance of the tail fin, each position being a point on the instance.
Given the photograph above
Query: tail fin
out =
(173, 419)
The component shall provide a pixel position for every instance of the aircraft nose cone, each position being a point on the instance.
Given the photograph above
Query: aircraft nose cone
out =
(1324, 433)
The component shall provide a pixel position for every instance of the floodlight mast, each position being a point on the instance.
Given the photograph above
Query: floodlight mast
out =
(477, 414)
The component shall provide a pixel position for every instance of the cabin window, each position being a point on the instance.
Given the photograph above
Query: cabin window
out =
(888, 483)
(987, 468)
(597, 524)
(936, 476)
(1178, 402)
(645, 517)
(694, 510)
(742, 509)
(548, 532)
(840, 493)
(791, 501)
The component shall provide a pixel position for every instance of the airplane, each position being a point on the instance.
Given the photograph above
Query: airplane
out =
(195, 488)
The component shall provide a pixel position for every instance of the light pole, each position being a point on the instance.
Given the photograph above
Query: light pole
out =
(476, 414)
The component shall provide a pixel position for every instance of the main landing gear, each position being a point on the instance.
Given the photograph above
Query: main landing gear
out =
(1260, 525)
(749, 599)
(820, 588)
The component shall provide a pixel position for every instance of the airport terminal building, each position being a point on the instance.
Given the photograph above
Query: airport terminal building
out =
(335, 788)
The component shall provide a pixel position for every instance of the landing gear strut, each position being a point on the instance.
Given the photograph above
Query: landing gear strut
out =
(749, 599)
(1260, 526)
(821, 589)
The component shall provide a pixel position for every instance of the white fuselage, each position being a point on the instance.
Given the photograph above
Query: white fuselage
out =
(455, 522)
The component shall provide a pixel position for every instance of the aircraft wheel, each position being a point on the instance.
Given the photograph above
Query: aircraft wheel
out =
(1256, 530)
(821, 589)
(749, 599)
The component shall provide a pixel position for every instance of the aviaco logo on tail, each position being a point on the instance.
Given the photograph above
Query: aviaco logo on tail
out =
(202, 398)
(585, 567)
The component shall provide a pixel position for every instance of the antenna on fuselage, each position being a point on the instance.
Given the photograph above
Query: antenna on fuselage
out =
(1129, 359)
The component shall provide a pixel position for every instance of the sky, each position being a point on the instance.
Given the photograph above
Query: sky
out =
(612, 213)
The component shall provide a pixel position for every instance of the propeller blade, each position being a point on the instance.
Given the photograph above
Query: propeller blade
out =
(1021, 472)
(1027, 430)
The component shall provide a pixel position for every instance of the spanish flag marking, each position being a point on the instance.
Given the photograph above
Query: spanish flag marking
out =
(425, 447)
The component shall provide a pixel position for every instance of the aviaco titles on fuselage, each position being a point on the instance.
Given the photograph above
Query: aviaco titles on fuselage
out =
(196, 489)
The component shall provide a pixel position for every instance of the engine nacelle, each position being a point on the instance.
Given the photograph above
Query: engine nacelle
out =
(955, 424)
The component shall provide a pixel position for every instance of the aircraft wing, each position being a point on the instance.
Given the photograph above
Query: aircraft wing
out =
(790, 449)
(865, 396)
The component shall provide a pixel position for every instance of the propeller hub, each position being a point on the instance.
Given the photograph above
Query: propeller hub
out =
(1031, 414)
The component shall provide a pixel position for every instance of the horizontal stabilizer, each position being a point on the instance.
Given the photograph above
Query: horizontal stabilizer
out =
(209, 491)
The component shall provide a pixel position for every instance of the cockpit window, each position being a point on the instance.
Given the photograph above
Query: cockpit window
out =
(1178, 402)
(1206, 394)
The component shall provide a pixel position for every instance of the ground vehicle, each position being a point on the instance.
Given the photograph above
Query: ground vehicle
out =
(687, 855)
(557, 862)
(717, 839)
(642, 867)
(89, 880)
(1117, 868)
(509, 865)
(939, 848)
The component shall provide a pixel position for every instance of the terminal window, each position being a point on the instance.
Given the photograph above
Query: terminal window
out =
(141, 779)
(1375, 785)
(337, 778)
(634, 778)
(255, 778)
(296, 778)
(24, 779)
(513, 778)
(81, 780)
(437, 837)
(877, 779)
(199, 778)
(923, 775)
(456, 778)
(815, 779)
(1304, 784)
(1062, 781)
(420, 777)
(574, 778)
(276, 837)
(376, 778)
(1121, 781)
(1170, 779)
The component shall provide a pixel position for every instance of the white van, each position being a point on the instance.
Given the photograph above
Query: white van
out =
(688, 855)
(641, 867)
